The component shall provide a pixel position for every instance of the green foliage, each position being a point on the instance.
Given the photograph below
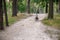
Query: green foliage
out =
(21, 5)
(42, 4)
(22, 8)
(31, 9)
(9, 5)
(37, 1)
(20, 1)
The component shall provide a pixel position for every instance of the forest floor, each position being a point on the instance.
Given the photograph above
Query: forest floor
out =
(55, 22)
(12, 20)
(30, 29)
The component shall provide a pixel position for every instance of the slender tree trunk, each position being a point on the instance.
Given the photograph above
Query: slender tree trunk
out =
(5, 11)
(50, 15)
(59, 5)
(46, 8)
(28, 7)
(14, 8)
(1, 16)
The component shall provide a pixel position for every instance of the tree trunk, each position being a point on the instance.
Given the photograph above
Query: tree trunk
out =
(1, 16)
(28, 7)
(46, 8)
(59, 5)
(50, 15)
(14, 8)
(5, 11)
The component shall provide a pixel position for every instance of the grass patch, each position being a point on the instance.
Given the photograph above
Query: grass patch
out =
(53, 22)
(12, 20)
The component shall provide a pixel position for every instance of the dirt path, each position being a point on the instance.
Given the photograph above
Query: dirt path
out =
(27, 29)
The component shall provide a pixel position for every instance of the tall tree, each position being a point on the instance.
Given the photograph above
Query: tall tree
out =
(59, 5)
(1, 16)
(50, 15)
(28, 7)
(46, 6)
(14, 7)
(5, 11)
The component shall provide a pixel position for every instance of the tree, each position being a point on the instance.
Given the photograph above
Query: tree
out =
(5, 11)
(1, 16)
(50, 15)
(46, 7)
(14, 7)
(46, 1)
(59, 5)
(28, 7)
